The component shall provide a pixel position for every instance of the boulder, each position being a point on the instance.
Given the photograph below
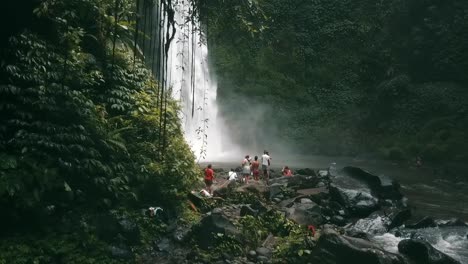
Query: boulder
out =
(451, 222)
(335, 248)
(302, 182)
(213, 224)
(305, 213)
(338, 220)
(397, 217)
(275, 189)
(423, 223)
(306, 172)
(358, 202)
(382, 186)
(421, 252)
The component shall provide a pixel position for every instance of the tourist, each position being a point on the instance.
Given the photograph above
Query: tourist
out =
(246, 168)
(209, 177)
(232, 175)
(254, 167)
(265, 165)
(286, 171)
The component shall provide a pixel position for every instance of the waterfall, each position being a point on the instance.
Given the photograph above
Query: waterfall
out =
(189, 80)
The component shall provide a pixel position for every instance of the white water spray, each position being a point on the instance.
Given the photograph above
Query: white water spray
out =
(193, 84)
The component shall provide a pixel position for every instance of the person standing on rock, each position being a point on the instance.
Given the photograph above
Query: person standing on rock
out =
(265, 165)
(254, 167)
(246, 168)
(209, 177)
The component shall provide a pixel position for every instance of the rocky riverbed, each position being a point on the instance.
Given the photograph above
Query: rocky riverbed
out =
(316, 216)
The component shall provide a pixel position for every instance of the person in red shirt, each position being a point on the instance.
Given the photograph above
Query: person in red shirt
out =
(209, 177)
(287, 171)
(255, 168)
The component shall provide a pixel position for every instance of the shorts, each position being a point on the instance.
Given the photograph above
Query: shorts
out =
(208, 182)
(256, 172)
(264, 167)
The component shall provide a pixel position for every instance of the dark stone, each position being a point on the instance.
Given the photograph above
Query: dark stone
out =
(275, 189)
(327, 211)
(423, 223)
(335, 248)
(382, 186)
(338, 220)
(305, 214)
(247, 210)
(211, 225)
(357, 234)
(397, 217)
(358, 202)
(221, 192)
(306, 172)
(451, 222)
(422, 252)
(302, 182)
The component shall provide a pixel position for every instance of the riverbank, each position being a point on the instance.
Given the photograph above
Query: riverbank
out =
(336, 217)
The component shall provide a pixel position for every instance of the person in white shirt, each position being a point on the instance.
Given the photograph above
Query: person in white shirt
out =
(246, 168)
(265, 165)
(232, 175)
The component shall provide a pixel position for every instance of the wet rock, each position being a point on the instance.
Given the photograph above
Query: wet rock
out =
(397, 217)
(252, 254)
(451, 222)
(306, 200)
(305, 214)
(247, 210)
(339, 249)
(382, 186)
(302, 182)
(423, 223)
(359, 202)
(306, 172)
(357, 234)
(422, 252)
(338, 220)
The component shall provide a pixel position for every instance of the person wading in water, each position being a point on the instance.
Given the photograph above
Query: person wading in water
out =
(254, 167)
(246, 168)
(265, 165)
(209, 177)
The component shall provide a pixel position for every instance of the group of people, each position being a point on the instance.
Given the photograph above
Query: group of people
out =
(249, 167)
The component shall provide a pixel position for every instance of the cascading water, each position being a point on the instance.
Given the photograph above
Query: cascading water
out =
(190, 80)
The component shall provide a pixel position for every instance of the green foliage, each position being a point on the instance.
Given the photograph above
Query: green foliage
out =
(80, 132)
(346, 77)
